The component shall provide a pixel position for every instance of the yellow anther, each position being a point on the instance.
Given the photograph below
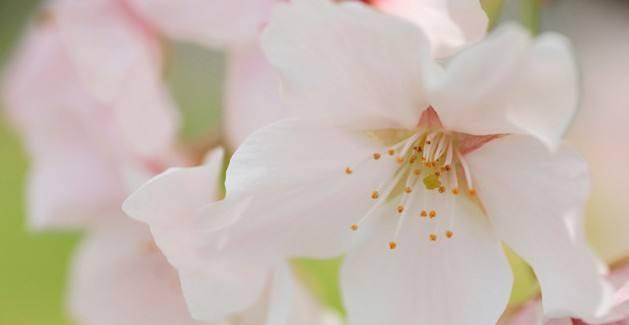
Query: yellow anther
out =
(376, 155)
(442, 189)
(455, 191)
(392, 245)
(433, 237)
(408, 189)
(391, 152)
(400, 209)
(417, 172)
(354, 227)
(437, 173)
(348, 171)
(428, 142)
(449, 234)
(375, 195)
(432, 214)
(424, 213)
(400, 160)
(447, 168)
(472, 192)
(412, 159)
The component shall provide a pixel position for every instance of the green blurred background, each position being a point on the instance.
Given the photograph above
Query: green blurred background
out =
(32, 266)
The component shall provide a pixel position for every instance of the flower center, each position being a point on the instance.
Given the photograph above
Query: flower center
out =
(430, 177)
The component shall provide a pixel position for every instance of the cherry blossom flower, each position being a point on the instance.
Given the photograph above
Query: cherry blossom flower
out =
(252, 98)
(89, 115)
(532, 313)
(415, 170)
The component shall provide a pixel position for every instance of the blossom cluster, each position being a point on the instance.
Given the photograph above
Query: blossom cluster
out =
(401, 135)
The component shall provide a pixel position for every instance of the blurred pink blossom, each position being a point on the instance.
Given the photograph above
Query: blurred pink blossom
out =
(84, 89)
(252, 97)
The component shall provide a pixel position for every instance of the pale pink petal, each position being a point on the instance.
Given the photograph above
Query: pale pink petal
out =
(534, 198)
(253, 96)
(74, 186)
(348, 63)
(449, 24)
(214, 23)
(106, 42)
(462, 280)
(119, 60)
(146, 115)
(120, 277)
(510, 84)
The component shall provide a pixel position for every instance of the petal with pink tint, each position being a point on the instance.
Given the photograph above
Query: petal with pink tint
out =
(253, 95)
(214, 23)
(120, 277)
(449, 24)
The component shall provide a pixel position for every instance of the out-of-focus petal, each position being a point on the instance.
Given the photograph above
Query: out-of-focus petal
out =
(215, 23)
(120, 277)
(449, 24)
(253, 94)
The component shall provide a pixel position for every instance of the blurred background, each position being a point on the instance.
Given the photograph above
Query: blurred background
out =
(34, 266)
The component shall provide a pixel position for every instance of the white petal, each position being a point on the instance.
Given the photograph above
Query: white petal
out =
(120, 277)
(253, 97)
(348, 63)
(172, 204)
(214, 23)
(176, 195)
(300, 200)
(462, 280)
(534, 198)
(449, 24)
(510, 84)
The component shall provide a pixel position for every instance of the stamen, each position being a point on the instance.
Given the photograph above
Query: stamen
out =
(449, 234)
(348, 171)
(442, 189)
(354, 227)
(391, 152)
(392, 245)
(400, 209)
(375, 195)
(433, 237)
(424, 213)
(376, 155)
(432, 214)
(417, 172)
